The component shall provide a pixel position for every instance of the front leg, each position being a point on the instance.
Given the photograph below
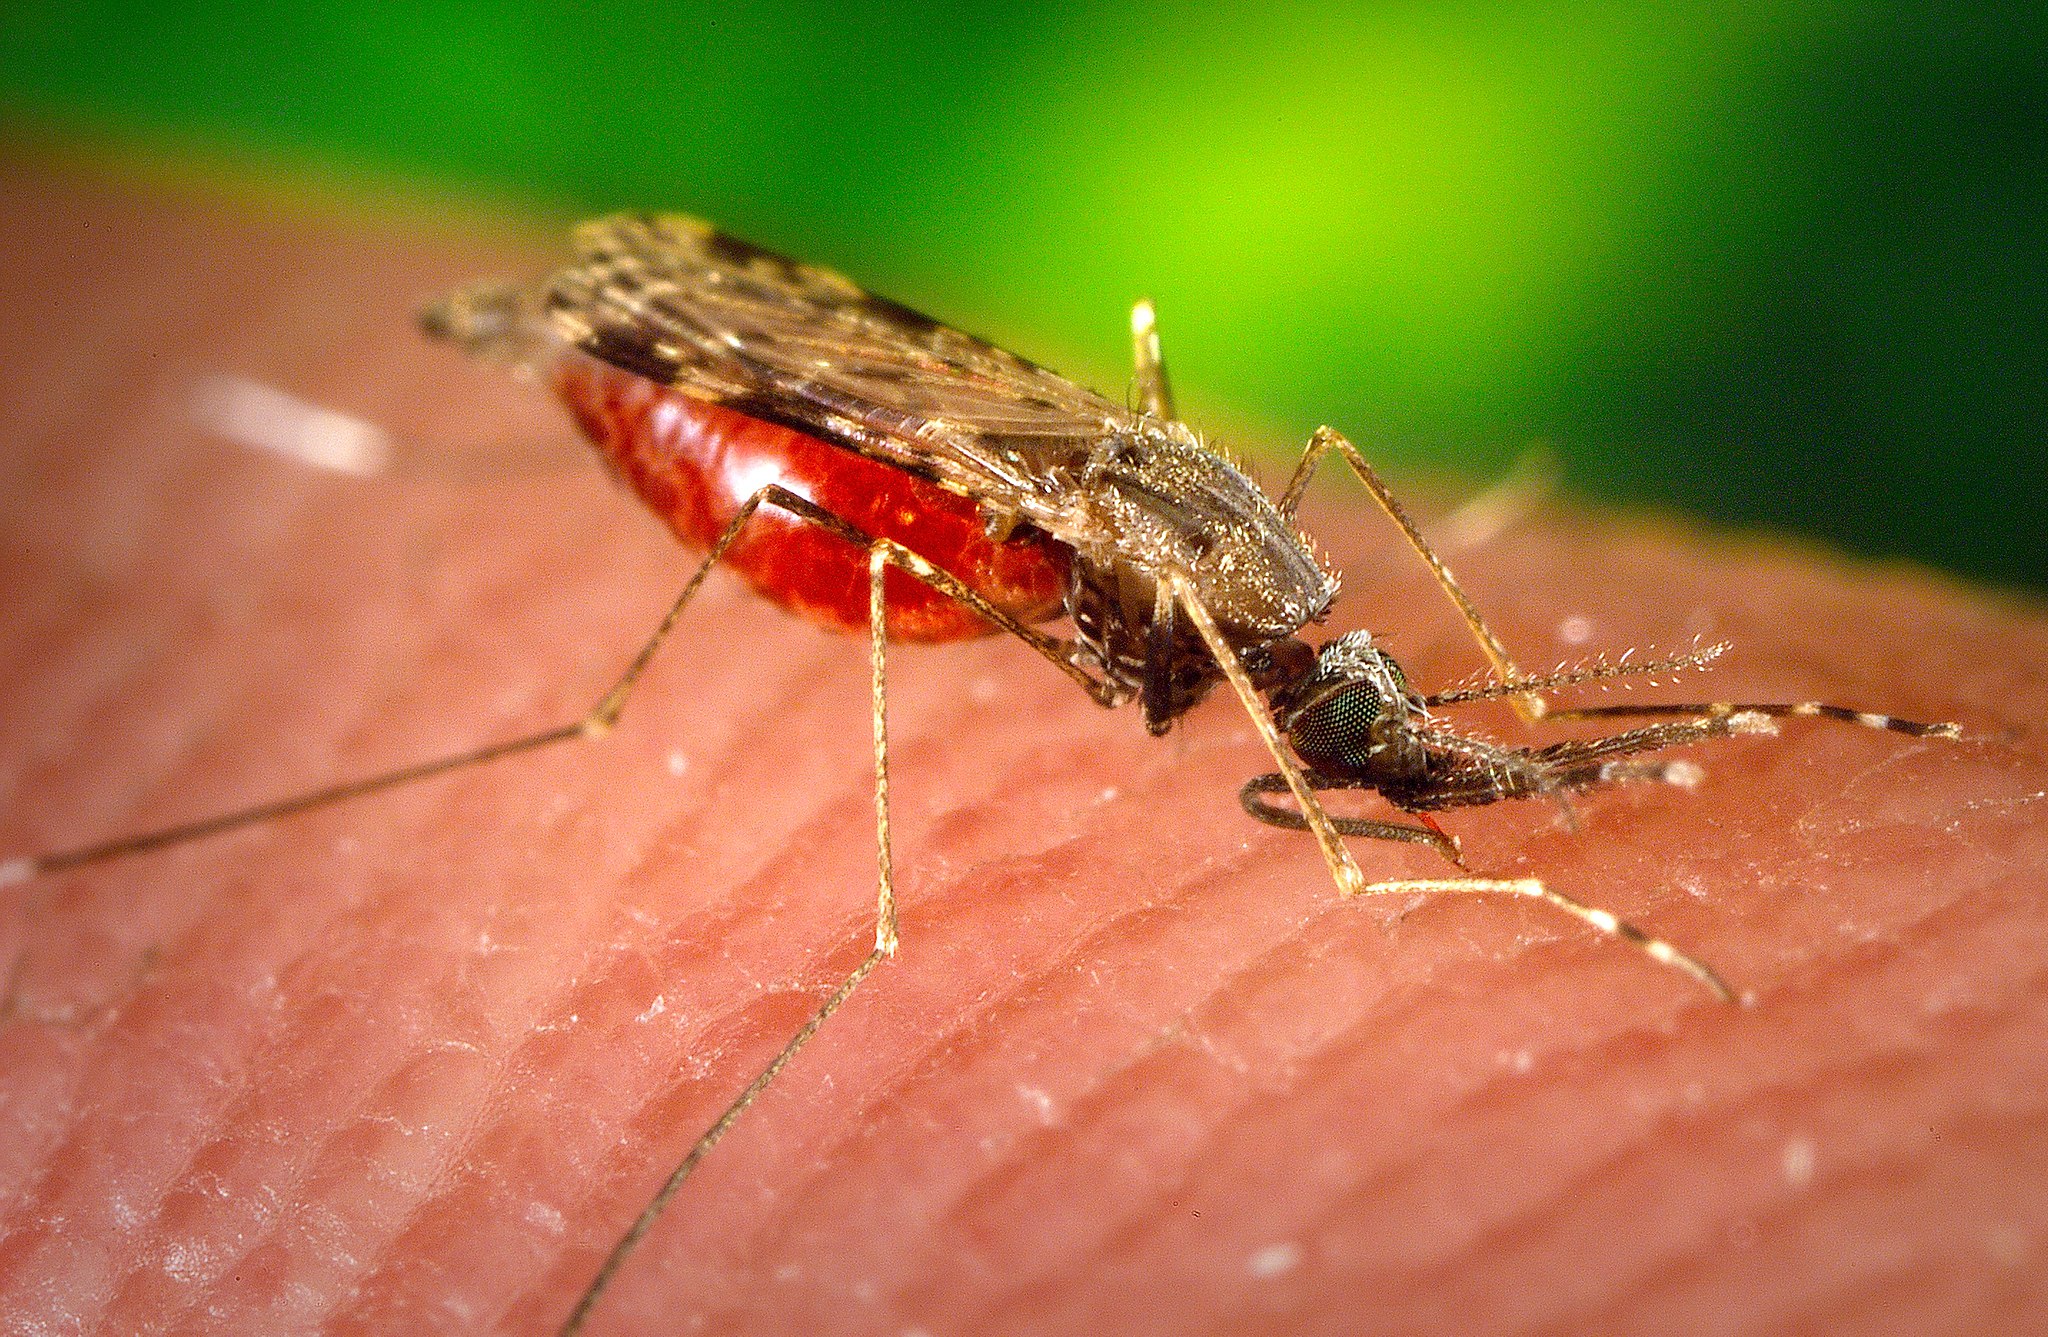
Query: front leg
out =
(1529, 706)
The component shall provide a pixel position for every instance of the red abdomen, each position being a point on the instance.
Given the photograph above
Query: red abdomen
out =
(695, 464)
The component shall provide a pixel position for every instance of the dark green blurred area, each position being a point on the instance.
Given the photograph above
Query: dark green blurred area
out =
(1776, 264)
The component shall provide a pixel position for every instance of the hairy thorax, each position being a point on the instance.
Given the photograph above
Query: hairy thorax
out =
(1163, 502)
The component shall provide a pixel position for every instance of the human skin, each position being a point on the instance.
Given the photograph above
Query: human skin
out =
(412, 1063)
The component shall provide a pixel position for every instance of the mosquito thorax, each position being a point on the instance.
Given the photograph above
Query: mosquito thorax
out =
(1351, 713)
(1160, 499)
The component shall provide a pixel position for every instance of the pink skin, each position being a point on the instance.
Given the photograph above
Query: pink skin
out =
(411, 1064)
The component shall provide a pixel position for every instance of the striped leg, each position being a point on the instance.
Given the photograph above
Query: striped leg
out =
(1657, 949)
(1754, 717)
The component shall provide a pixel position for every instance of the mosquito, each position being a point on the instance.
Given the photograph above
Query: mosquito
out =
(879, 472)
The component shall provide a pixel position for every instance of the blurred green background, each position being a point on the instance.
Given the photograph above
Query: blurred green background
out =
(1777, 264)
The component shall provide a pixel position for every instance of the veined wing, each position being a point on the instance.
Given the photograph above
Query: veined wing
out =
(670, 298)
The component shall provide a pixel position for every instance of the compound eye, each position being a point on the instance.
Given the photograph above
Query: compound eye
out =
(1336, 734)
(1354, 686)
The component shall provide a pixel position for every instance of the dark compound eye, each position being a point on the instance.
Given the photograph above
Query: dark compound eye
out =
(1353, 687)
(1336, 733)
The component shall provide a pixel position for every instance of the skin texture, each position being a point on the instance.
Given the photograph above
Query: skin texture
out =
(413, 1063)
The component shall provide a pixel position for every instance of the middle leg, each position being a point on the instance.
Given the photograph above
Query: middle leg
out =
(882, 554)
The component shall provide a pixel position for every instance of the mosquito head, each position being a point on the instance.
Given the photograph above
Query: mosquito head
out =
(1350, 713)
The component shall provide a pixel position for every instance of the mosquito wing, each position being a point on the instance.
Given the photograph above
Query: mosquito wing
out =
(671, 299)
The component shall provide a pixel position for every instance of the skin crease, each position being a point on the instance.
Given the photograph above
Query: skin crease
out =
(411, 1064)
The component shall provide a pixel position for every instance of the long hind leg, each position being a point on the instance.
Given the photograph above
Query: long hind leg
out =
(600, 719)
(595, 723)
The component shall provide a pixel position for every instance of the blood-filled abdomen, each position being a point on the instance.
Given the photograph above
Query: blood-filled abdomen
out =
(695, 464)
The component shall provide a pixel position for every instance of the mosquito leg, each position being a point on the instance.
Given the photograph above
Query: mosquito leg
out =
(1725, 710)
(1062, 654)
(1155, 396)
(659, 1203)
(880, 558)
(1157, 692)
(599, 721)
(1657, 949)
(1343, 869)
(882, 554)
(1529, 707)
(596, 723)
(1252, 797)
